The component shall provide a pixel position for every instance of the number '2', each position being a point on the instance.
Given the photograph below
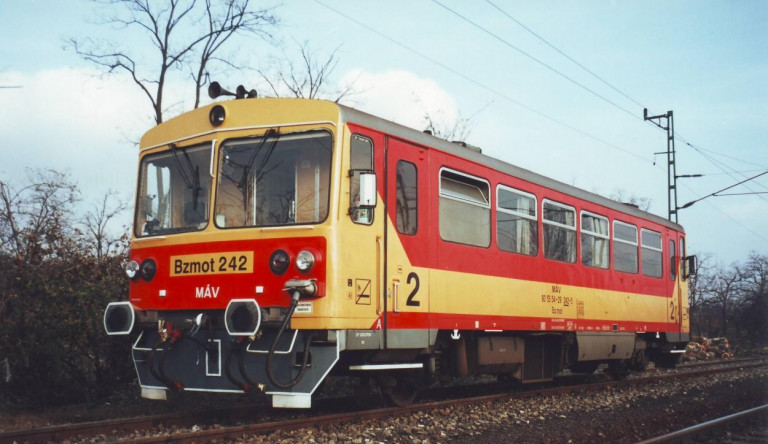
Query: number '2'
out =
(411, 301)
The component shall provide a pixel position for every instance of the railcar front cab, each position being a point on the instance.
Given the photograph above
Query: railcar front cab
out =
(229, 241)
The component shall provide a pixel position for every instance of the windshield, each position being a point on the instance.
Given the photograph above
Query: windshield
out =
(174, 191)
(274, 180)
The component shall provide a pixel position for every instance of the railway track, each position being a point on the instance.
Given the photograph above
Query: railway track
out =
(112, 429)
(749, 426)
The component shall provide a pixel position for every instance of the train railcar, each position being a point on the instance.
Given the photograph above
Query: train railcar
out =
(279, 241)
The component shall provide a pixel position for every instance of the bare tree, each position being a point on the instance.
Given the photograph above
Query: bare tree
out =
(96, 221)
(725, 293)
(755, 298)
(31, 216)
(309, 79)
(700, 287)
(173, 29)
(456, 130)
(643, 203)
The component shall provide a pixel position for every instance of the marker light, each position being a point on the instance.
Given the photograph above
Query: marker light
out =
(304, 261)
(132, 269)
(279, 262)
(148, 269)
(217, 115)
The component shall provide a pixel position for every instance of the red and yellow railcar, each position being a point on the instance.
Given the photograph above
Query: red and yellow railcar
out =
(278, 241)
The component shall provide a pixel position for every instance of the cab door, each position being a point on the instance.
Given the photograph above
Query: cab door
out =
(407, 246)
(677, 311)
(361, 256)
(682, 294)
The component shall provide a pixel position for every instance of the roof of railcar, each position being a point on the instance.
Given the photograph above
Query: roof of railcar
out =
(241, 114)
(429, 141)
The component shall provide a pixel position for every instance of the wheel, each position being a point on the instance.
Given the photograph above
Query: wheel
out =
(640, 361)
(587, 367)
(619, 370)
(667, 360)
(397, 390)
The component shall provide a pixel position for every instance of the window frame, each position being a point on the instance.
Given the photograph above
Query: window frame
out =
(660, 250)
(672, 259)
(173, 174)
(227, 143)
(485, 205)
(573, 228)
(607, 237)
(626, 242)
(534, 218)
(682, 268)
(397, 201)
(353, 210)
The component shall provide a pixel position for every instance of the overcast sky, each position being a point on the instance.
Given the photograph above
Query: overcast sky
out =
(527, 103)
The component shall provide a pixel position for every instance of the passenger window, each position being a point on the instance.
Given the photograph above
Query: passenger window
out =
(465, 209)
(672, 260)
(651, 249)
(624, 247)
(595, 240)
(559, 231)
(407, 198)
(516, 225)
(360, 160)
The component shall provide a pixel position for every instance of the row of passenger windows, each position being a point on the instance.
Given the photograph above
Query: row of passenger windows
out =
(465, 213)
(465, 217)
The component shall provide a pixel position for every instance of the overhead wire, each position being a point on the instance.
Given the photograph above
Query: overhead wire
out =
(725, 169)
(525, 106)
(717, 193)
(497, 37)
(559, 51)
(480, 84)
(723, 174)
(697, 149)
(728, 216)
(715, 153)
(561, 74)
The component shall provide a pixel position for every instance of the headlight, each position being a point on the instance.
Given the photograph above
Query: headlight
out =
(148, 269)
(217, 115)
(305, 260)
(279, 262)
(131, 269)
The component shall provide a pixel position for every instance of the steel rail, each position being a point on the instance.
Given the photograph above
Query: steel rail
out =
(707, 427)
(237, 432)
(67, 431)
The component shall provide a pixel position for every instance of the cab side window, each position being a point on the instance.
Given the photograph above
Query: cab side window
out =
(672, 261)
(407, 198)
(360, 160)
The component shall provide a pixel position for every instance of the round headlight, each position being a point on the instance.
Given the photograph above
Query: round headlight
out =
(305, 260)
(217, 115)
(279, 262)
(148, 269)
(132, 269)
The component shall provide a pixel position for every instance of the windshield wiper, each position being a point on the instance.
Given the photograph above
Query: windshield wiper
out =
(193, 182)
(249, 166)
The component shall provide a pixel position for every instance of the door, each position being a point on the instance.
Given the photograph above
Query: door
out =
(407, 246)
(682, 294)
(677, 306)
